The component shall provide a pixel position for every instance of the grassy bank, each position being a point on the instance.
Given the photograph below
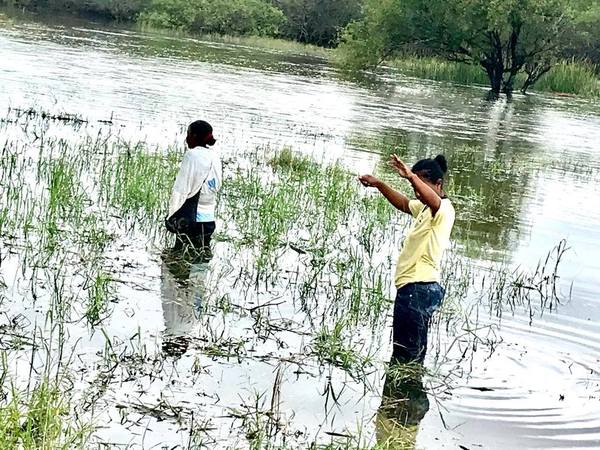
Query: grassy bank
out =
(259, 42)
(566, 77)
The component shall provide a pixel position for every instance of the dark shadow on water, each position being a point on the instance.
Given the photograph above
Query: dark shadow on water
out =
(182, 289)
(404, 403)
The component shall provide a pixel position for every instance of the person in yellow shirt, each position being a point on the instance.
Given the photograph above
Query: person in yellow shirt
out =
(417, 277)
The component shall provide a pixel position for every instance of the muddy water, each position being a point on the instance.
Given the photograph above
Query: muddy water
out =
(540, 387)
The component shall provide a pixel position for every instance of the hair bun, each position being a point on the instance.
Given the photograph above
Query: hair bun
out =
(441, 160)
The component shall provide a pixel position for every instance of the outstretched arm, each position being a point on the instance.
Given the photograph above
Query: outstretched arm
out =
(426, 194)
(397, 199)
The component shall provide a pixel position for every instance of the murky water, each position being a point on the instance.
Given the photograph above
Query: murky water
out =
(532, 166)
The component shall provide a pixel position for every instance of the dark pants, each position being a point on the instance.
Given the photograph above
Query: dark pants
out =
(414, 306)
(198, 237)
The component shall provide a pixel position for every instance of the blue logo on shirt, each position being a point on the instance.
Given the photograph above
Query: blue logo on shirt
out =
(212, 183)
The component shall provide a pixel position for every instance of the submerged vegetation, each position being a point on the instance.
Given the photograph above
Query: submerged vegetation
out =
(567, 77)
(297, 296)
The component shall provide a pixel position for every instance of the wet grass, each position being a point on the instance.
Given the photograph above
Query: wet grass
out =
(40, 420)
(280, 45)
(98, 298)
(440, 70)
(569, 77)
(301, 281)
(329, 345)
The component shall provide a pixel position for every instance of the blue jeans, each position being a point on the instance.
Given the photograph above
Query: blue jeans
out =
(414, 306)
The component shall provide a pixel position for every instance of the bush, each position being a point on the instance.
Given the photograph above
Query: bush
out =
(237, 17)
(112, 9)
(317, 21)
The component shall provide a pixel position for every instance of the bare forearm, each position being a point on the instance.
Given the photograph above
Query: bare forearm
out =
(397, 199)
(427, 195)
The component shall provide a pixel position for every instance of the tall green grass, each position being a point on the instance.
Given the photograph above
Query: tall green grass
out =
(40, 420)
(570, 77)
(138, 181)
(440, 70)
(270, 43)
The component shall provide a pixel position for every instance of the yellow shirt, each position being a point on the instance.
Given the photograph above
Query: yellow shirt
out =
(421, 254)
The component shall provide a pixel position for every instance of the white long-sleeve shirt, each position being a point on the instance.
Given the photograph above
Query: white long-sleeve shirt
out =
(200, 168)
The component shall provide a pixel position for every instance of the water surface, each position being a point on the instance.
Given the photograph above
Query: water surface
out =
(530, 165)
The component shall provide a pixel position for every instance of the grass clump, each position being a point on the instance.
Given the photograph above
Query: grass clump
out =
(138, 181)
(287, 161)
(40, 420)
(440, 70)
(98, 298)
(270, 43)
(329, 346)
(571, 77)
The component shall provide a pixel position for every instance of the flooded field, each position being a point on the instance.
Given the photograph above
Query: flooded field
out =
(282, 340)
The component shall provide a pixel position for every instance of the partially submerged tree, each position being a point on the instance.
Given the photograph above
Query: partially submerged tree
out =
(504, 37)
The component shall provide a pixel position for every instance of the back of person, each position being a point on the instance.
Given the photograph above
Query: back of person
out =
(194, 198)
(421, 255)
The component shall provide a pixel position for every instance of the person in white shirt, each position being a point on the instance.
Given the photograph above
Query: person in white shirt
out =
(194, 198)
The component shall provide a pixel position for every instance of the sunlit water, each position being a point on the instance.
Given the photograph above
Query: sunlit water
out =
(540, 388)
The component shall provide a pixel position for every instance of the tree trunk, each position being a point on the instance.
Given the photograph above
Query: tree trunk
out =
(514, 61)
(494, 73)
(507, 86)
(494, 63)
(534, 73)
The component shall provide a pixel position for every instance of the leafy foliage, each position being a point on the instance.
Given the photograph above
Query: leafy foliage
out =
(504, 37)
(318, 21)
(256, 17)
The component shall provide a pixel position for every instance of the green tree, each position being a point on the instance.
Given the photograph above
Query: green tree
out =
(317, 21)
(112, 9)
(585, 42)
(238, 17)
(504, 37)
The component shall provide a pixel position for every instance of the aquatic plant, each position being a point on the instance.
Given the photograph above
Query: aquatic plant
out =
(301, 276)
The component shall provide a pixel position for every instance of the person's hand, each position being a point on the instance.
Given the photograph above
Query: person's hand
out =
(399, 166)
(368, 180)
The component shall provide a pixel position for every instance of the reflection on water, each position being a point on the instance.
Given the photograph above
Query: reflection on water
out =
(523, 176)
(404, 404)
(182, 289)
(486, 184)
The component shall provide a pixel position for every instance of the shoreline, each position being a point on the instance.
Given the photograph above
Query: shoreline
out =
(567, 79)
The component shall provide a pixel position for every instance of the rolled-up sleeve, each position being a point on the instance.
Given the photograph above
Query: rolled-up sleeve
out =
(415, 207)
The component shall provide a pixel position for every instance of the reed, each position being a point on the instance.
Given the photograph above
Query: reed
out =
(440, 70)
(39, 420)
(571, 77)
(302, 275)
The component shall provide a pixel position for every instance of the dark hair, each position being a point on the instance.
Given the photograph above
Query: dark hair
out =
(432, 169)
(203, 130)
